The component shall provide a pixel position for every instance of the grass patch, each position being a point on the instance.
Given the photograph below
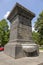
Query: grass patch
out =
(40, 48)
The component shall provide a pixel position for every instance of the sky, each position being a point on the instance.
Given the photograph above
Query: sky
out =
(36, 6)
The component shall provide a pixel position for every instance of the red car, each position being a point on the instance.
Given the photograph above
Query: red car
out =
(1, 48)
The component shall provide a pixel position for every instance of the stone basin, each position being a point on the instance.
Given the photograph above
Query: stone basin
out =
(29, 47)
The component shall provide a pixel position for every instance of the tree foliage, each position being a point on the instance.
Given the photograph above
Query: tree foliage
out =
(39, 23)
(4, 32)
(36, 37)
(39, 27)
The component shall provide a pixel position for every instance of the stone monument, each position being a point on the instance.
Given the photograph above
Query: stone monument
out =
(21, 43)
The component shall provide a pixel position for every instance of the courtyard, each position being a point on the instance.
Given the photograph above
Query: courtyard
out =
(7, 60)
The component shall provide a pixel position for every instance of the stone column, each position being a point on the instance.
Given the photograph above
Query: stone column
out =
(21, 43)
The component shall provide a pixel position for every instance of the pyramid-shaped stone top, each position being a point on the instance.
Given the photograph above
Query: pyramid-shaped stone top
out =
(20, 10)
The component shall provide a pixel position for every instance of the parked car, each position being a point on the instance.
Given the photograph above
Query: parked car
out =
(1, 48)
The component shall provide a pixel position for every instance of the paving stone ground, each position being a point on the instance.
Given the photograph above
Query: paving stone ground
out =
(7, 60)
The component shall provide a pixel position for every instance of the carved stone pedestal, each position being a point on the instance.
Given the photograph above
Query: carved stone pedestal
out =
(21, 43)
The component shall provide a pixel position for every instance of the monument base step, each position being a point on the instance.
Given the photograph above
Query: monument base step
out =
(17, 50)
(14, 50)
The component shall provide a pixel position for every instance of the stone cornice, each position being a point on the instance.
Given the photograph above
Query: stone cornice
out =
(20, 10)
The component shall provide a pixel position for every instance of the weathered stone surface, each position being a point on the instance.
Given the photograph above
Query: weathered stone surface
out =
(14, 50)
(21, 33)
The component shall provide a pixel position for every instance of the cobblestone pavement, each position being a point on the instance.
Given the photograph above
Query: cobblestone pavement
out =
(7, 60)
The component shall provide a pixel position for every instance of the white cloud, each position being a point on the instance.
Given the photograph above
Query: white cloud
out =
(33, 29)
(6, 15)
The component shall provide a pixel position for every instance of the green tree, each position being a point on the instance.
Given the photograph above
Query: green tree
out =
(39, 27)
(4, 32)
(36, 37)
